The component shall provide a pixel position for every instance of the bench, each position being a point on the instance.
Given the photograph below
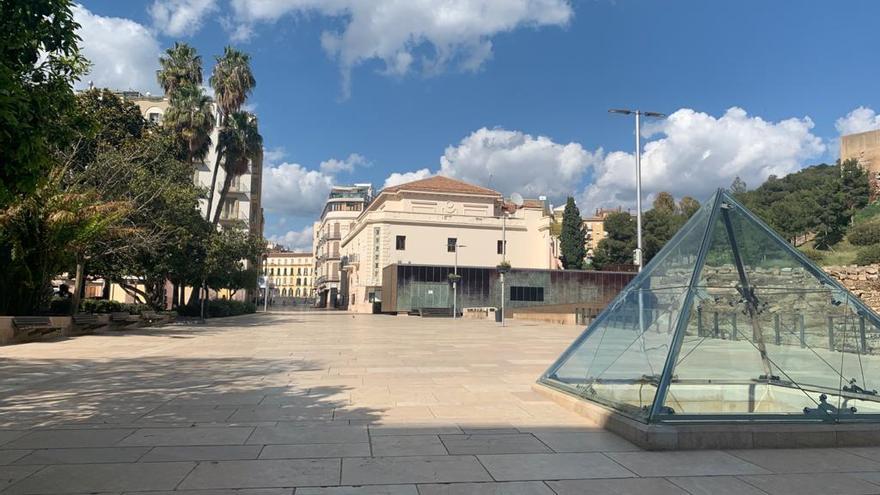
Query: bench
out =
(86, 321)
(27, 327)
(123, 319)
(435, 312)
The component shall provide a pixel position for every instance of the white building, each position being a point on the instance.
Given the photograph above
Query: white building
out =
(422, 222)
(343, 206)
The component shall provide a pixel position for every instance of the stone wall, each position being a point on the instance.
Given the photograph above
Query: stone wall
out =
(863, 281)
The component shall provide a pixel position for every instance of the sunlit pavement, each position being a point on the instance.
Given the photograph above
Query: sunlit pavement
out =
(337, 403)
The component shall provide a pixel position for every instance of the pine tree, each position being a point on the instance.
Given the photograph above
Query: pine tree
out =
(572, 239)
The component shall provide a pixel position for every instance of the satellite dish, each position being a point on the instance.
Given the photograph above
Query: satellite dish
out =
(516, 199)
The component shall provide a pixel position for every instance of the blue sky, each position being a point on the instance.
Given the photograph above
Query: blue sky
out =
(514, 94)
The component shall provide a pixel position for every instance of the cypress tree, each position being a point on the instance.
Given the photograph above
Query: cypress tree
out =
(572, 238)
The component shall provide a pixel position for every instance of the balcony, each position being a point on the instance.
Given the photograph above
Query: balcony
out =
(233, 218)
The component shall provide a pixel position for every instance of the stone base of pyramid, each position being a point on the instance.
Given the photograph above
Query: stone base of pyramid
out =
(742, 435)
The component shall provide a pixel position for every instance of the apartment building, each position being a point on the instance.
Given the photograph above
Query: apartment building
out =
(439, 221)
(344, 205)
(290, 274)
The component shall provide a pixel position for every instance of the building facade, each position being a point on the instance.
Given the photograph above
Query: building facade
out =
(864, 147)
(290, 275)
(343, 206)
(439, 221)
(243, 205)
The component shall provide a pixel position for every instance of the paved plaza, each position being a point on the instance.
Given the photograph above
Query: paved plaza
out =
(334, 403)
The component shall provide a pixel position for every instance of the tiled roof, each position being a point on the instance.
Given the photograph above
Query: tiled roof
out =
(441, 184)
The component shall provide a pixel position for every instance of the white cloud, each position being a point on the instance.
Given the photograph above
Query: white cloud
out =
(512, 161)
(295, 240)
(407, 34)
(180, 17)
(859, 120)
(124, 54)
(291, 190)
(334, 166)
(699, 153)
(273, 156)
(398, 178)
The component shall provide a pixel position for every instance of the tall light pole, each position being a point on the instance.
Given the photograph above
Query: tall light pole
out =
(638, 113)
(455, 281)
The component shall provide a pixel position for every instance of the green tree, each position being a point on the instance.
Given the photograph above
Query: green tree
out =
(39, 62)
(688, 206)
(232, 81)
(572, 238)
(191, 118)
(229, 253)
(738, 187)
(240, 144)
(618, 246)
(854, 186)
(665, 203)
(180, 66)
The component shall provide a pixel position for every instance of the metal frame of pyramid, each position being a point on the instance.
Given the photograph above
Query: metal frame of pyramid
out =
(809, 351)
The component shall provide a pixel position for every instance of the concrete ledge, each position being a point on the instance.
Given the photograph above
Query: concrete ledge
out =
(718, 436)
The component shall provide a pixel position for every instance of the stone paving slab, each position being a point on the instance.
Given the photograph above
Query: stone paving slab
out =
(86, 478)
(413, 469)
(202, 453)
(627, 486)
(68, 439)
(94, 455)
(403, 445)
(715, 485)
(490, 488)
(297, 434)
(315, 451)
(812, 484)
(522, 467)
(188, 436)
(489, 443)
(685, 463)
(263, 474)
(361, 490)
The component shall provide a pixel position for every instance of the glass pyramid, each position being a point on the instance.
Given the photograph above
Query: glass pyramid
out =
(729, 322)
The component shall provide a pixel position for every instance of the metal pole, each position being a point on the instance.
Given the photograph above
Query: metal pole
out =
(639, 261)
(503, 258)
(455, 283)
(266, 296)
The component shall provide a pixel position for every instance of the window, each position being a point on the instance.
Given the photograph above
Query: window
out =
(401, 242)
(298, 281)
(501, 247)
(532, 294)
(271, 271)
(451, 242)
(154, 117)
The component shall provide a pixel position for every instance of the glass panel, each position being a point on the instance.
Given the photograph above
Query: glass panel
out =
(620, 360)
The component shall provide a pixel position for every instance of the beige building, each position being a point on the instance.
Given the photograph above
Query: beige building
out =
(422, 222)
(290, 274)
(595, 228)
(343, 206)
(244, 202)
(864, 147)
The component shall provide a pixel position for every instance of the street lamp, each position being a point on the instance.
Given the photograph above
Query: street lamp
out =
(638, 113)
(517, 201)
(455, 280)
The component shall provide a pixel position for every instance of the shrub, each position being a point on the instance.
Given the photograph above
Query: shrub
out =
(864, 234)
(108, 306)
(868, 255)
(60, 306)
(814, 255)
(218, 308)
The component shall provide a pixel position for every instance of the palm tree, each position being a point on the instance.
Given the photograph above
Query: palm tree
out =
(181, 65)
(232, 81)
(240, 144)
(191, 117)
